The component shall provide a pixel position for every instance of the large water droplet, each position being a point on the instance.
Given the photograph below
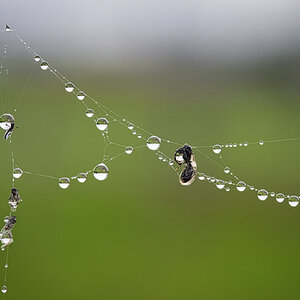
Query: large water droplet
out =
(153, 142)
(4, 289)
(128, 150)
(80, 95)
(262, 194)
(217, 149)
(261, 142)
(17, 173)
(130, 126)
(102, 124)
(44, 65)
(69, 87)
(37, 58)
(64, 182)
(6, 120)
(293, 201)
(220, 184)
(89, 113)
(279, 197)
(241, 186)
(101, 172)
(81, 177)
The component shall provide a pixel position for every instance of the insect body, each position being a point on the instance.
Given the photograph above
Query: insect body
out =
(185, 156)
(14, 199)
(6, 236)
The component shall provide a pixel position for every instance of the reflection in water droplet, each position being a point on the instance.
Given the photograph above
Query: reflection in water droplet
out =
(69, 87)
(81, 177)
(220, 184)
(262, 194)
(44, 65)
(102, 124)
(280, 198)
(80, 95)
(217, 149)
(128, 150)
(153, 142)
(130, 126)
(101, 172)
(17, 173)
(37, 58)
(6, 121)
(64, 182)
(261, 142)
(226, 170)
(241, 186)
(89, 113)
(293, 201)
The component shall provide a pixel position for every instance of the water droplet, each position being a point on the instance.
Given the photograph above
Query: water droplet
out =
(217, 149)
(102, 124)
(133, 132)
(101, 172)
(234, 145)
(89, 113)
(272, 194)
(64, 182)
(17, 173)
(220, 184)
(44, 65)
(6, 266)
(4, 289)
(81, 177)
(261, 142)
(227, 189)
(246, 144)
(279, 197)
(37, 58)
(128, 150)
(6, 120)
(160, 157)
(262, 194)
(80, 95)
(201, 176)
(226, 170)
(153, 142)
(130, 126)
(241, 186)
(171, 163)
(69, 87)
(293, 201)
(139, 136)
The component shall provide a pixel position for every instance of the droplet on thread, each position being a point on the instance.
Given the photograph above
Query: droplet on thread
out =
(153, 142)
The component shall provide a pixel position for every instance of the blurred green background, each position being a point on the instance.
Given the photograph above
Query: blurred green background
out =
(139, 234)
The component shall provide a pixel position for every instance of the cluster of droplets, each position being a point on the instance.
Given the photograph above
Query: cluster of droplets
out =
(217, 148)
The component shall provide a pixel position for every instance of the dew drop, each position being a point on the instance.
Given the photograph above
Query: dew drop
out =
(69, 87)
(6, 266)
(217, 149)
(226, 170)
(44, 65)
(262, 194)
(4, 289)
(6, 121)
(212, 179)
(246, 144)
(220, 184)
(89, 113)
(37, 58)
(293, 201)
(133, 132)
(102, 124)
(261, 142)
(101, 172)
(201, 176)
(139, 136)
(81, 177)
(153, 142)
(17, 173)
(241, 186)
(280, 198)
(64, 182)
(227, 189)
(130, 126)
(128, 150)
(80, 95)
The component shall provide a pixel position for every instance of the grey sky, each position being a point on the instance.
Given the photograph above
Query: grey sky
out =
(116, 30)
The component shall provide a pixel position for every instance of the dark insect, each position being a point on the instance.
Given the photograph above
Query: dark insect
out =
(6, 235)
(7, 28)
(9, 132)
(10, 222)
(14, 199)
(185, 156)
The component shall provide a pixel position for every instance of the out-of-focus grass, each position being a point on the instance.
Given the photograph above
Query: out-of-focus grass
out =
(140, 235)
